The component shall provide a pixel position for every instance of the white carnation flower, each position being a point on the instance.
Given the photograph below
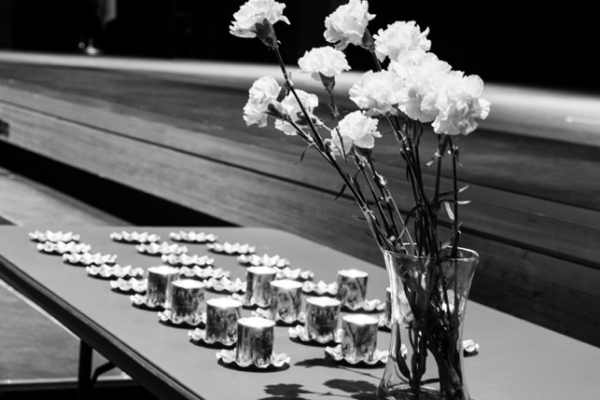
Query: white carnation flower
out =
(263, 93)
(407, 61)
(361, 129)
(292, 108)
(323, 60)
(336, 146)
(378, 92)
(423, 74)
(347, 24)
(459, 103)
(255, 12)
(400, 37)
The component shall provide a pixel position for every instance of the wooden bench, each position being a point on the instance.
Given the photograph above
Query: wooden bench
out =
(533, 218)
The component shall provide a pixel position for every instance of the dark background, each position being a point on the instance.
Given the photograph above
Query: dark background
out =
(534, 42)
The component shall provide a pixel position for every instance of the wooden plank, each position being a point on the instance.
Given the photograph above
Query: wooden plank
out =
(504, 161)
(547, 291)
(225, 191)
(25, 202)
(563, 296)
(565, 116)
(538, 224)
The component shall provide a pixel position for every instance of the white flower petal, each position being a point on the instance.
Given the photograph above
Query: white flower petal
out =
(398, 38)
(255, 12)
(360, 129)
(323, 60)
(347, 24)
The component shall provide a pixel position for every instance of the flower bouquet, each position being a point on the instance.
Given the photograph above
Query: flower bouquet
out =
(408, 88)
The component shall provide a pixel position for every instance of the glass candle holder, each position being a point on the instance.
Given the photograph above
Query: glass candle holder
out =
(286, 300)
(258, 289)
(187, 297)
(352, 288)
(359, 337)
(322, 317)
(255, 341)
(159, 284)
(222, 316)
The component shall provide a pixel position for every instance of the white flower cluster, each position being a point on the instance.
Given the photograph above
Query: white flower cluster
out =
(356, 128)
(263, 102)
(433, 92)
(255, 12)
(415, 83)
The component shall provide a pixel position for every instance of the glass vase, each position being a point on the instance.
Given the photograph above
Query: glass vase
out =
(429, 301)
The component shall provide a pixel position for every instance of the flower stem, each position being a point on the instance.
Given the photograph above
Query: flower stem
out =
(455, 225)
(290, 86)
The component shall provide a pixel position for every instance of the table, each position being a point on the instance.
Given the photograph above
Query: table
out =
(517, 360)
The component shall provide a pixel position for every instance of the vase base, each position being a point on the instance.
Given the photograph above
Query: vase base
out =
(404, 392)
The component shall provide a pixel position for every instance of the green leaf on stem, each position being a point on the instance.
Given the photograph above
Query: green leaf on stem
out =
(340, 193)
(369, 234)
(358, 217)
(435, 157)
(449, 210)
(410, 214)
(302, 155)
(456, 154)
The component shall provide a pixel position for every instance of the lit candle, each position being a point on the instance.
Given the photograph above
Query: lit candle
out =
(322, 317)
(159, 284)
(255, 340)
(359, 337)
(352, 288)
(258, 290)
(187, 296)
(222, 316)
(286, 300)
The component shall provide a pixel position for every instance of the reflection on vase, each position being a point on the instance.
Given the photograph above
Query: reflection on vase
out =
(429, 299)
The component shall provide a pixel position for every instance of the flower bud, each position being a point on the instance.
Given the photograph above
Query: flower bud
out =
(266, 33)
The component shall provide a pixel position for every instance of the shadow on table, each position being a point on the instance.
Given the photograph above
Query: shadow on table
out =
(329, 363)
(352, 389)
(251, 368)
(359, 390)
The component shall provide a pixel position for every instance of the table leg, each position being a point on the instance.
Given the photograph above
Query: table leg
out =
(85, 371)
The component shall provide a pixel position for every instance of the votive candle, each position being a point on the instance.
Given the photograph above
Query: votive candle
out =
(255, 340)
(352, 288)
(286, 300)
(322, 317)
(359, 337)
(258, 290)
(187, 298)
(222, 316)
(159, 284)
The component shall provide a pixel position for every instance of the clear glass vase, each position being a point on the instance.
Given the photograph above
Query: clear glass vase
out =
(429, 300)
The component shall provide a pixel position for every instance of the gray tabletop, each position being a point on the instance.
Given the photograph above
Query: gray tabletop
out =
(517, 360)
